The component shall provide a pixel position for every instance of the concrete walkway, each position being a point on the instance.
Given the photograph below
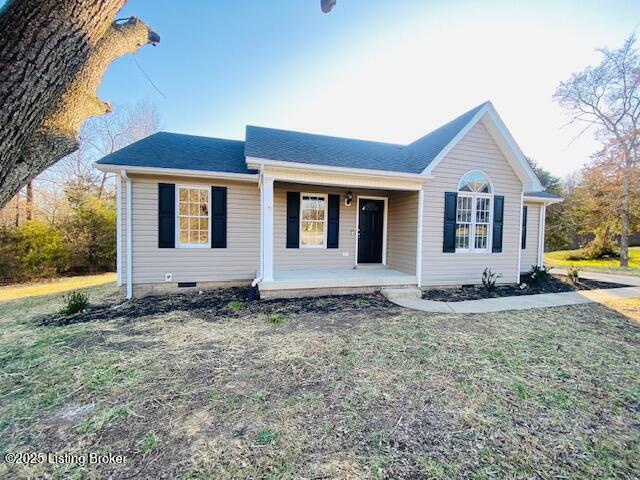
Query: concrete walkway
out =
(524, 302)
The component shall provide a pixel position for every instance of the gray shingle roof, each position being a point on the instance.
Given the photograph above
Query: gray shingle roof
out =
(542, 194)
(298, 147)
(425, 149)
(173, 150)
(189, 152)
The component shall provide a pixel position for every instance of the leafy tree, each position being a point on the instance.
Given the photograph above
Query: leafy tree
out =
(598, 198)
(89, 233)
(556, 235)
(31, 250)
(606, 97)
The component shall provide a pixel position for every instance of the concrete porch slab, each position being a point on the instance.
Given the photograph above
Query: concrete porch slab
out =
(377, 276)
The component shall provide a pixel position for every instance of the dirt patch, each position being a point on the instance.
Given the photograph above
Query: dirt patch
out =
(217, 305)
(555, 284)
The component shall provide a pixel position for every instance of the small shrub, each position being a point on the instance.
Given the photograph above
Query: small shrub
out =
(573, 274)
(277, 319)
(235, 306)
(149, 442)
(489, 279)
(74, 302)
(539, 275)
(266, 436)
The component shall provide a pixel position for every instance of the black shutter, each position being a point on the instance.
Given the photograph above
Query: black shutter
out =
(218, 217)
(498, 221)
(166, 215)
(333, 221)
(524, 228)
(293, 220)
(450, 205)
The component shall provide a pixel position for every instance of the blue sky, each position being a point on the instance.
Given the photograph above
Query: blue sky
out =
(382, 70)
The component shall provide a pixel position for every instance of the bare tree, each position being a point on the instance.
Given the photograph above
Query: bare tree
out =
(98, 137)
(606, 97)
(108, 133)
(53, 54)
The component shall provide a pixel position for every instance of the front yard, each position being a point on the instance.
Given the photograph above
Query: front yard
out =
(560, 258)
(208, 387)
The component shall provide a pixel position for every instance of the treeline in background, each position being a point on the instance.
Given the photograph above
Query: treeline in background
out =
(64, 221)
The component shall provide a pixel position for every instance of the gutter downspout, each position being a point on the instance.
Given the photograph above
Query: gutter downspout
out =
(123, 174)
(118, 231)
(258, 278)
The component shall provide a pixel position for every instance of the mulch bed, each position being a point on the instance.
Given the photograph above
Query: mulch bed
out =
(215, 305)
(555, 284)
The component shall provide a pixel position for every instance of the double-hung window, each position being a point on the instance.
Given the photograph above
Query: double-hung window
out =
(193, 217)
(473, 213)
(313, 220)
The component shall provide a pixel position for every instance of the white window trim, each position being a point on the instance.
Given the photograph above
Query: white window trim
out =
(177, 229)
(326, 220)
(472, 225)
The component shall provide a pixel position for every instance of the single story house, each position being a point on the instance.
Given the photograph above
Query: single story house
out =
(298, 213)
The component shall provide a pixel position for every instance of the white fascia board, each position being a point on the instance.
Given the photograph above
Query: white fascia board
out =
(543, 200)
(521, 160)
(255, 162)
(179, 172)
(514, 154)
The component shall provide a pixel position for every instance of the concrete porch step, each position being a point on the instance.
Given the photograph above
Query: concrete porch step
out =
(408, 293)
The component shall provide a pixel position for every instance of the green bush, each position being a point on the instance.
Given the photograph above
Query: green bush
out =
(489, 279)
(31, 250)
(74, 302)
(539, 275)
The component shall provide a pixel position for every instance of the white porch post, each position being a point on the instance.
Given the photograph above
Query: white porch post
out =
(267, 229)
(543, 215)
(419, 237)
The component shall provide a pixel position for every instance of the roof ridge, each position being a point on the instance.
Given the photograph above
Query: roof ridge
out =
(337, 137)
(195, 136)
(473, 110)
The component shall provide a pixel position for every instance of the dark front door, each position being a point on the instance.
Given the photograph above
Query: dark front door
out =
(370, 224)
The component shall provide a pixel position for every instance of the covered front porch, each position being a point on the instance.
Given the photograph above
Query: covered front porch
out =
(337, 234)
(336, 281)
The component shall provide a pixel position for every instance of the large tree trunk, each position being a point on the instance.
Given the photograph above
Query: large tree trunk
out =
(624, 231)
(53, 54)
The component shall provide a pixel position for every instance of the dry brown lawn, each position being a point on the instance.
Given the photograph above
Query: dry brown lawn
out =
(209, 387)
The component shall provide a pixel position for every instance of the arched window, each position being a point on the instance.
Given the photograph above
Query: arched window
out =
(473, 212)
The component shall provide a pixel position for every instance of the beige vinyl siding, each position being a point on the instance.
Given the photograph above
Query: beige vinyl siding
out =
(476, 151)
(402, 230)
(239, 261)
(529, 255)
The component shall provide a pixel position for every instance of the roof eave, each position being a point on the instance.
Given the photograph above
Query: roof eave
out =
(112, 168)
(257, 162)
(545, 200)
